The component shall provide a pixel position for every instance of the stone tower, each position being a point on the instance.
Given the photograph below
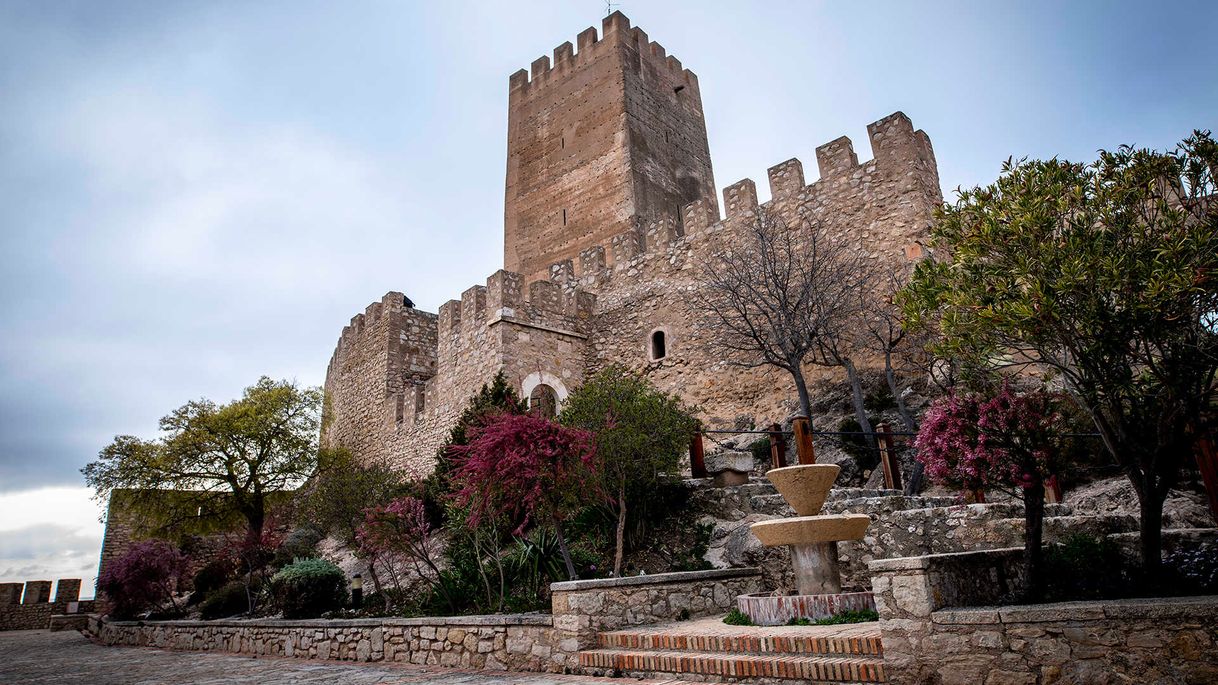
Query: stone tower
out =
(604, 140)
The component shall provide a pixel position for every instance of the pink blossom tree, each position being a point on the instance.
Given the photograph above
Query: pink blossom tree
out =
(400, 533)
(528, 469)
(145, 577)
(1009, 442)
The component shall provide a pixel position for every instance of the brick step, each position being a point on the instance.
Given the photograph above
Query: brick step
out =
(728, 666)
(771, 642)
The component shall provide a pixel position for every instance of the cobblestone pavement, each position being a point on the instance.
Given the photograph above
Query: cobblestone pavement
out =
(39, 656)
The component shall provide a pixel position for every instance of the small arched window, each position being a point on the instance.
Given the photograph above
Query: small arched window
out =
(659, 345)
(544, 401)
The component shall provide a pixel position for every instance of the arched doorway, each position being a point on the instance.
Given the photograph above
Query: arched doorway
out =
(544, 391)
(544, 401)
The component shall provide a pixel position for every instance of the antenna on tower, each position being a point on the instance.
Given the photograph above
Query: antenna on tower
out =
(609, 7)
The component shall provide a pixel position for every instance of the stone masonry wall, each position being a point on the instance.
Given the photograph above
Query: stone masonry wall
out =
(521, 642)
(533, 330)
(607, 138)
(586, 607)
(936, 628)
(884, 206)
(517, 643)
(29, 606)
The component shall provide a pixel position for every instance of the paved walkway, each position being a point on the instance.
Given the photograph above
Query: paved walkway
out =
(40, 656)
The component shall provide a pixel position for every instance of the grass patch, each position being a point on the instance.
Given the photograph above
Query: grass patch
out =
(736, 617)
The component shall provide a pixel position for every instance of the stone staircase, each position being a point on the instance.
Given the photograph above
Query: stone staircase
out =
(709, 650)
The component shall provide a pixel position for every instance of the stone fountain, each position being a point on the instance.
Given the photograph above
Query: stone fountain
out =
(813, 539)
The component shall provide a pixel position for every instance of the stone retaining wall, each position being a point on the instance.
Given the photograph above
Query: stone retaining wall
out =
(933, 632)
(586, 607)
(519, 642)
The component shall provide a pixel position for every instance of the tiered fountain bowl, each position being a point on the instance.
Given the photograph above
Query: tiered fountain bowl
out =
(813, 540)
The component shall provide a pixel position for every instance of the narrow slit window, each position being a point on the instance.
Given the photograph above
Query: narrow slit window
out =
(564, 217)
(659, 346)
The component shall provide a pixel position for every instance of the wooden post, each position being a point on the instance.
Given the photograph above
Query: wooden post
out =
(697, 457)
(1207, 462)
(803, 440)
(888, 459)
(778, 447)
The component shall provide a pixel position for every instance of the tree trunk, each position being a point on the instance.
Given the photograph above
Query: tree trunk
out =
(1033, 522)
(891, 377)
(566, 553)
(860, 406)
(805, 404)
(1150, 507)
(620, 542)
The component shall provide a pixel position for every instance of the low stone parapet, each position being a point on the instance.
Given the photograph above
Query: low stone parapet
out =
(936, 627)
(518, 642)
(586, 607)
(1154, 640)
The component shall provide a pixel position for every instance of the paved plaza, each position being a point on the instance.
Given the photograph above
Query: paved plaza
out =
(40, 656)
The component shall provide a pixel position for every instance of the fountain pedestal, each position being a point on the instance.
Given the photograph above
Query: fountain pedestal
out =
(816, 568)
(813, 541)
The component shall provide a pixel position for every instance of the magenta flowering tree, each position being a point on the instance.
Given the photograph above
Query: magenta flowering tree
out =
(526, 469)
(1009, 442)
(398, 534)
(145, 577)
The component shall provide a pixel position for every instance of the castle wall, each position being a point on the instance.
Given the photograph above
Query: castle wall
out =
(506, 325)
(610, 208)
(598, 141)
(885, 205)
(381, 358)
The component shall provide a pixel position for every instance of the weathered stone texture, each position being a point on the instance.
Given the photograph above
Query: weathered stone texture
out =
(523, 642)
(603, 141)
(934, 631)
(901, 526)
(585, 608)
(517, 643)
(38, 611)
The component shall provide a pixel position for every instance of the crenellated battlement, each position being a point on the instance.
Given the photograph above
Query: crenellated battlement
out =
(354, 335)
(896, 149)
(555, 302)
(616, 31)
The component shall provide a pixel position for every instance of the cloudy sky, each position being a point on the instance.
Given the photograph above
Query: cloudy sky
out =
(193, 194)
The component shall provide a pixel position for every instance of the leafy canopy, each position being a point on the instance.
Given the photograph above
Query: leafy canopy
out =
(262, 443)
(1103, 279)
(641, 432)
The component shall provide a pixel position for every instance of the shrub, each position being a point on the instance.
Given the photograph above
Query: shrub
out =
(300, 543)
(1083, 566)
(211, 577)
(736, 617)
(849, 616)
(143, 578)
(309, 587)
(229, 600)
(760, 449)
(1196, 568)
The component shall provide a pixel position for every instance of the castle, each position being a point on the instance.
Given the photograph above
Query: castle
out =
(610, 200)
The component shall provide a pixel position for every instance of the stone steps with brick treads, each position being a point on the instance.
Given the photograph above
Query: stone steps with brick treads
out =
(708, 649)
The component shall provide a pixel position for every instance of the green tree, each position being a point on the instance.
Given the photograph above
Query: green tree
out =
(1101, 277)
(473, 553)
(233, 456)
(336, 498)
(641, 434)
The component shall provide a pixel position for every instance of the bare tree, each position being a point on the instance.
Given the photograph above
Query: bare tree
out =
(785, 296)
(885, 334)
